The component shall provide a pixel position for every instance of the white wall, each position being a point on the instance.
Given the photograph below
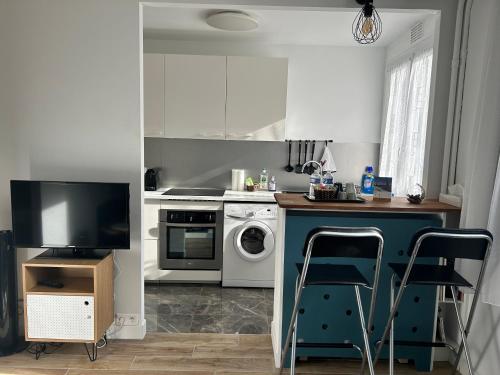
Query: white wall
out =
(72, 80)
(328, 87)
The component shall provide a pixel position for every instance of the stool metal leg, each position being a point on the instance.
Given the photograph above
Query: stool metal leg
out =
(298, 296)
(364, 329)
(391, 337)
(464, 343)
(294, 336)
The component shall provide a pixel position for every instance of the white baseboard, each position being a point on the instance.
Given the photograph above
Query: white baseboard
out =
(276, 341)
(128, 332)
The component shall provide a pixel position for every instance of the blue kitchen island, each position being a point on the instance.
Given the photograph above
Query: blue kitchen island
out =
(329, 314)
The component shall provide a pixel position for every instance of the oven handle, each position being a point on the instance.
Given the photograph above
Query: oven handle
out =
(188, 225)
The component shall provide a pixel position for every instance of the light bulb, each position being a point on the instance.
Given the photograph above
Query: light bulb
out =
(367, 27)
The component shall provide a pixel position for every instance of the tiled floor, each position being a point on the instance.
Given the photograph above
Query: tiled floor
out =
(194, 308)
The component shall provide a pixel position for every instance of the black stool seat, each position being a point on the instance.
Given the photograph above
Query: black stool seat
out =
(430, 275)
(333, 274)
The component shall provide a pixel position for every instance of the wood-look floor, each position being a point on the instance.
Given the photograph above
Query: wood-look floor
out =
(185, 354)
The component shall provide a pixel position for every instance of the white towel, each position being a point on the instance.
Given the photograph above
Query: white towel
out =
(327, 160)
(490, 290)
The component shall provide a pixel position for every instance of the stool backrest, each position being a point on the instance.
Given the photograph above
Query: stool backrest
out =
(451, 243)
(347, 242)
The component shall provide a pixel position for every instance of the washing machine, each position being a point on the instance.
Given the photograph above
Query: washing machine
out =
(249, 245)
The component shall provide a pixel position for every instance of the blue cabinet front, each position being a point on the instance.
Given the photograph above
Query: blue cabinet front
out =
(329, 313)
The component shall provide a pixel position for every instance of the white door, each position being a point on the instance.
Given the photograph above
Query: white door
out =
(256, 98)
(254, 241)
(195, 96)
(154, 81)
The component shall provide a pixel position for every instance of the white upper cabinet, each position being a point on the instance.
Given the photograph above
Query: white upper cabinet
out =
(256, 98)
(154, 120)
(195, 96)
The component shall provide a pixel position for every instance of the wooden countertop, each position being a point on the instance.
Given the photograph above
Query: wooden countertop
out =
(400, 204)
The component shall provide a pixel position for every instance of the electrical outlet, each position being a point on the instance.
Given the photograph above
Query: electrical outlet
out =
(126, 319)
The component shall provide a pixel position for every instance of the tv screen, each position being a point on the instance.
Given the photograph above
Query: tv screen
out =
(82, 215)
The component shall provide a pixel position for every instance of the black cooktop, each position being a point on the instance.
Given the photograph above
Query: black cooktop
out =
(196, 192)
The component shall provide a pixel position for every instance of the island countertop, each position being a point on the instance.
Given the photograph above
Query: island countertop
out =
(399, 204)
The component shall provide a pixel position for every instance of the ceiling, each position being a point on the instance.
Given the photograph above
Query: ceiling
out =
(296, 27)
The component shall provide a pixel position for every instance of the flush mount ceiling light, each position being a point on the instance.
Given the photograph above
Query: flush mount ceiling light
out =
(232, 21)
(367, 26)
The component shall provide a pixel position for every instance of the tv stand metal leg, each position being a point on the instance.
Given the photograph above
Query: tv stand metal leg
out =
(93, 353)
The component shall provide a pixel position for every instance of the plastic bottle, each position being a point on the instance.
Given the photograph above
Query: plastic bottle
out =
(263, 182)
(272, 184)
(328, 180)
(314, 183)
(367, 181)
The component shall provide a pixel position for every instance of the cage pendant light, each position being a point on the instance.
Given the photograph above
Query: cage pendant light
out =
(367, 26)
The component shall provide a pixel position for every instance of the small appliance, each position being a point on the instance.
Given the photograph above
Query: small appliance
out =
(191, 236)
(150, 179)
(250, 231)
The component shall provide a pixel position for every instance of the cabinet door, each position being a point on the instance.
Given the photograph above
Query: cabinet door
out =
(256, 98)
(154, 120)
(151, 210)
(151, 269)
(195, 96)
(58, 317)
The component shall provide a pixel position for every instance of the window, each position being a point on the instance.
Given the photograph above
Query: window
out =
(403, 146)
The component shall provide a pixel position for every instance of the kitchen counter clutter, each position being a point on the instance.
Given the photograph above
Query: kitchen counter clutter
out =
(400, 204)
(333, 309)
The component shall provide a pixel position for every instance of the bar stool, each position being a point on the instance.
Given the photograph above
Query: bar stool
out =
(337, 242)
(449, 244)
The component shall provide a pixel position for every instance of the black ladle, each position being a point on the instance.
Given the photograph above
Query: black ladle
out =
(298, 166)
(310, 168)
(289, 167)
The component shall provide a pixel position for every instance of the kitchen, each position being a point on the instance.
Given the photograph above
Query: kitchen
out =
(73, 112)
(234, 108)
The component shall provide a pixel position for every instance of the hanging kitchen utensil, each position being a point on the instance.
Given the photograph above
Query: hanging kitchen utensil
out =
(289, 167)
(310, 168)
(298, 166)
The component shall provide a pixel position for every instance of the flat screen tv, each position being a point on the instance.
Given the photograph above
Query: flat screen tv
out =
(78, 215)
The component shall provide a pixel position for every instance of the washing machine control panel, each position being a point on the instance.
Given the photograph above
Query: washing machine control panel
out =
(251, 211)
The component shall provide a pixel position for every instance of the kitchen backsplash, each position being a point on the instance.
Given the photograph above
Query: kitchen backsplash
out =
(208, 163)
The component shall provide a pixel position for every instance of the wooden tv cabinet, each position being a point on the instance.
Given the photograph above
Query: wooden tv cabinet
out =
(79, 312)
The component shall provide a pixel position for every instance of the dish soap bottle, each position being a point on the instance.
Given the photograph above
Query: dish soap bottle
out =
(263, 180)
(367, 181)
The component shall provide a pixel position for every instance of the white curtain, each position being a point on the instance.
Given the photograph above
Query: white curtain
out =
(403, 147)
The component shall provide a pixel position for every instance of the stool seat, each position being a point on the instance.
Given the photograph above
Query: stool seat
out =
(333, 274)
(428, 274)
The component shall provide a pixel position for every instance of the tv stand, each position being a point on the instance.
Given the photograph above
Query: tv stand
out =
(80, 311)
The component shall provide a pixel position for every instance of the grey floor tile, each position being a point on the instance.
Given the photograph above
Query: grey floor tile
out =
(151, 322)
(179, 289)
(245, 324)
(174, 323)
(233, 293)
(245, 307)
(207, 324)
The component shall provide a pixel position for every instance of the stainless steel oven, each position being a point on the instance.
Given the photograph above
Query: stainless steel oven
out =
(191, 237)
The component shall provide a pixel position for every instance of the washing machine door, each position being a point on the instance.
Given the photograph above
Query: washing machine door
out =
(254, 241)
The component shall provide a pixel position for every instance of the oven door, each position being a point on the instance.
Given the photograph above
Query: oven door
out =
(185, 246)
